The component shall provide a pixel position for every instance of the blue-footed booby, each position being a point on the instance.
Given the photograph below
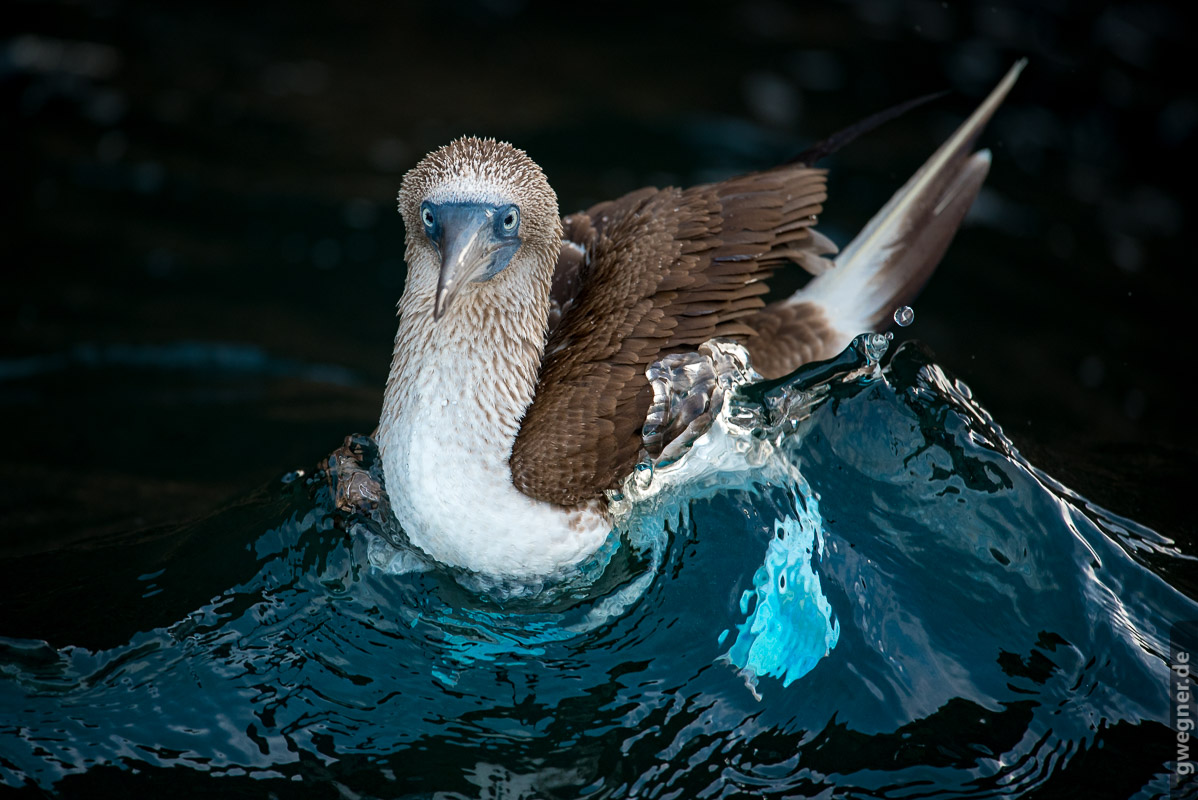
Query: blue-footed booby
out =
(518, 391)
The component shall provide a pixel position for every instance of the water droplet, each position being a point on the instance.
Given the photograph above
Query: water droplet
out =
(904, 316)
(873, 346)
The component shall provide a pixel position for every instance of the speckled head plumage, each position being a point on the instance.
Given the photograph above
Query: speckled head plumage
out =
(473, 170)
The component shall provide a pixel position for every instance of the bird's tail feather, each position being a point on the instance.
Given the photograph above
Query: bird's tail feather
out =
(896, 252)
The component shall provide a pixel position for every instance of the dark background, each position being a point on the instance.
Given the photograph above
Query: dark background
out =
(202, 257)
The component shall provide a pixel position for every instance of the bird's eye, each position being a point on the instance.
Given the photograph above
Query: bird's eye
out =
(426, 214)
(511, 219)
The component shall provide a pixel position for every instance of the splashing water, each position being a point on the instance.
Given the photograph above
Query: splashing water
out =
(904, 316)
(852, 582)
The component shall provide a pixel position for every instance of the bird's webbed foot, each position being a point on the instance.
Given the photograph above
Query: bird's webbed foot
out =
(355, 477)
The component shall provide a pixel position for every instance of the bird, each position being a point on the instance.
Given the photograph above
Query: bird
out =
(518, 393)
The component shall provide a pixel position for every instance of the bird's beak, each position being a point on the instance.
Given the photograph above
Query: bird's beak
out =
(467, 246)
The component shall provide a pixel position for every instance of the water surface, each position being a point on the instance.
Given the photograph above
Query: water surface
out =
(874, 595)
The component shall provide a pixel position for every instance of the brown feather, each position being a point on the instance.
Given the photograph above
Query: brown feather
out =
(664, 270)
(789, 335)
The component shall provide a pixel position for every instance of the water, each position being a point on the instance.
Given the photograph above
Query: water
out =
(874, 593)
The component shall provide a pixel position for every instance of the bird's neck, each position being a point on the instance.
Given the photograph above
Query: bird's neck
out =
(457, 392)
(475, 368)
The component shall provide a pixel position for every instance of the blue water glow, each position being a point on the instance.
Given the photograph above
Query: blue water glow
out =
(791, 626)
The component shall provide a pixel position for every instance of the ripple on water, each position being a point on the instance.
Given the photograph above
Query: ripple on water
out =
(866, 587)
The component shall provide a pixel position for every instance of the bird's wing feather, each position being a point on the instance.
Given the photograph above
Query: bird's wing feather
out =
(652, 273)
(661, 271)
(895, 253)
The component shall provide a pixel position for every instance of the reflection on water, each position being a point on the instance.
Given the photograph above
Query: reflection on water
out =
(892, 603)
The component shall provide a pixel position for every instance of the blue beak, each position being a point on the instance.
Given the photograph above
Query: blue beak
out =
(471, 251)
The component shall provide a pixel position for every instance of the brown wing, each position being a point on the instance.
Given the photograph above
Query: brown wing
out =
(789, 335)
(663, 270)
(568, 278)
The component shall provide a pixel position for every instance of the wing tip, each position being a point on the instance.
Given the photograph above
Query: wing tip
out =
(881, 267)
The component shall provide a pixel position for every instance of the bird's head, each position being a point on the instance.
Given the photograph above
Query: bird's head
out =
(476, 208)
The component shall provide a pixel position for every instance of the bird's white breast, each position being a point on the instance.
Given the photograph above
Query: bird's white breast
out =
(445, 461)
